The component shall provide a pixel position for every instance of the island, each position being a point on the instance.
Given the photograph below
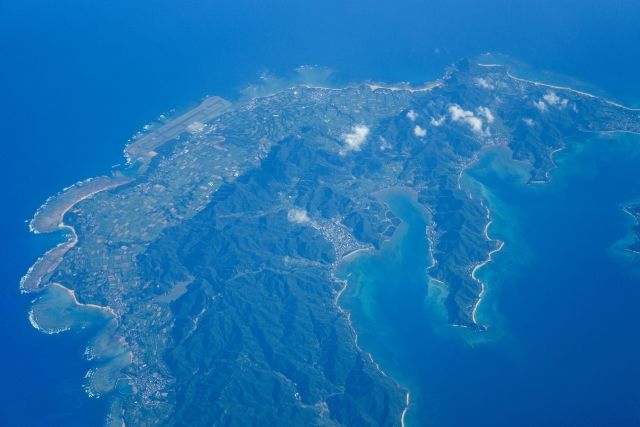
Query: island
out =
(205, 266)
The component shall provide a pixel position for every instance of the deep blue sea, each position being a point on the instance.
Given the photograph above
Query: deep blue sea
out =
(77, 78)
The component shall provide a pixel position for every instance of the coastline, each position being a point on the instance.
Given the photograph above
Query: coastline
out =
(427, 87)
(70, 294)
(372, 86)
(65, 312)
(31, 281)
(347, 314)
(355, 253)
(36, 326)
(547, 178)
(500, 246)
(489, 258)
(558, 87)
(49, 217)
(347, 259)
(406, 408)
(49, 213)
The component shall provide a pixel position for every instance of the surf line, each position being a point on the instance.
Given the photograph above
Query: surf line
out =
(498, 248)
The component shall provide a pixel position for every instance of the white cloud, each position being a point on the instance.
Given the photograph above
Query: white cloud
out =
(419, 131)
(437, 122)
(484, 83)
(540, 105)
(355, 139)
(488, 115)
(529, 121)
(298, 216)
(412, 115)
(551, 98)
(468, 117)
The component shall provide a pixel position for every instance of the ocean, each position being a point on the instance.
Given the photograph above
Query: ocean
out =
(562, 345)
(79, 78)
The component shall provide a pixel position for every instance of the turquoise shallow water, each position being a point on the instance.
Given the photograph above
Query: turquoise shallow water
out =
(563, 343)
